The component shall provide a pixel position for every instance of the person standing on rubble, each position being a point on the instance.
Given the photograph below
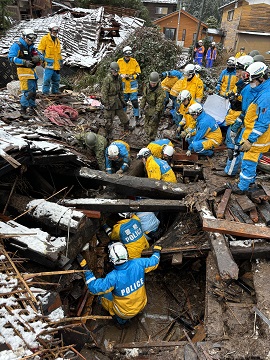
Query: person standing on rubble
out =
(207, 134)
(227, 78)
(129, 231)
(113, 99)
(240, 99)
(211, 55)
(152, 105)
(122, 291)
(169, 79)
(95, 143)
(129, 71)
(199, 52)
(156, 168)
(50, 47)
(117, 157)
(25, 56)
(255, 135)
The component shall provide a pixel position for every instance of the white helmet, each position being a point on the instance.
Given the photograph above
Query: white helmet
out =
(200, 41)
(213, 43)
(29, 34)
(198, 68)
(127, 51)
(243, 62)
(113, 150)
(144, 153)
(168, 150)
(118, 253)
(195, 109)
(125, 215)
(257, 70)
(231, 61)
(53, 26)
(189, 70)
(185, 94)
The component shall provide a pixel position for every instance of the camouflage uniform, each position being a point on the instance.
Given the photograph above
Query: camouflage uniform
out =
(99, 148)
(113, 100)
(154, 98)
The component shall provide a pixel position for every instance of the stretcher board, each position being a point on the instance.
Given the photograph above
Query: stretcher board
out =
(216, 106)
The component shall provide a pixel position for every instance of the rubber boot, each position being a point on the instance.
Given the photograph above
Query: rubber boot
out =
(23, 112)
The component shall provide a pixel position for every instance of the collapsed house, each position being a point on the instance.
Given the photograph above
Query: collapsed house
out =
(209, 299)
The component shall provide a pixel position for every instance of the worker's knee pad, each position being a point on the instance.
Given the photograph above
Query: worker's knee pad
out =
(135, 103)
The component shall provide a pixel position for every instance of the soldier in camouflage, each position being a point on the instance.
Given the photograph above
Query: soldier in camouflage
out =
(113, 99)
(152, 105)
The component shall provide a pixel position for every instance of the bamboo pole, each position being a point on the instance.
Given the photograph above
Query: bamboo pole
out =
(81, 318)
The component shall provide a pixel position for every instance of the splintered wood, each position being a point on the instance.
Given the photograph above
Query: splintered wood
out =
(25, 331)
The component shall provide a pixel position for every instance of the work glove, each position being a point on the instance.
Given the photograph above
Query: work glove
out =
(233, 136)
(230, 154)
(188, 136)
(230, 95)
(157, 248)
(245, 146)
(28, 64)
(107, 229)
(82, 262)
(35, 59)
(188, 153)
(120, 171)
(183, 134)
(127, 77)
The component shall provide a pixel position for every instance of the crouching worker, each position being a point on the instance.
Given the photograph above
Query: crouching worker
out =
(117, 157)
(129, 231)
(162, 149)
(123, 289)
(157, 169)
(208, 134)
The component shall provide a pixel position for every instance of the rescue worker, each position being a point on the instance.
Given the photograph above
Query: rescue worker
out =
(149, 224)
(113, 99)
(255, 137)
(199, 52)
(259, 57)
(95, 143)
(25, 56)
(50, 47)
(186, 124)
(241, 52)
(156, 168)
(129, 231)
(227, 78)
(117, 157)
(129, 71)
(123, 289)
(190, 82)
(152, 104)
(240, 99)
(171, 77)
(211, 55)
(208, 134)
(162, 149)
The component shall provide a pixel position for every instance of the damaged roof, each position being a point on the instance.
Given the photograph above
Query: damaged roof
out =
(83, 34)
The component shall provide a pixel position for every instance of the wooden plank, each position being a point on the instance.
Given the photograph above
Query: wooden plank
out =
(245, 203)
(123, 205)
(243, 215)
(228, 215)
(223, 204)
(264, 209)
(237, 229)
(257, 195)
(254, 215)
(184, 157)
(266, 189)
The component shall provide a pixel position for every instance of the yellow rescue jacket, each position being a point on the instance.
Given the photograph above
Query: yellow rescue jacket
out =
(159, 169)
(168, 82)
(188, 122)
(194, 86)
(52, 52)
(131, 68)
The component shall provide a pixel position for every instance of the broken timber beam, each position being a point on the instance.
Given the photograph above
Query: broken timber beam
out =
(237, 229)
(228, 268)
(223, 204)
(119, 205)
(130, 185)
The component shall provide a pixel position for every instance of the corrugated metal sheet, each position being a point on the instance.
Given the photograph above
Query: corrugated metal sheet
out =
(79, 35)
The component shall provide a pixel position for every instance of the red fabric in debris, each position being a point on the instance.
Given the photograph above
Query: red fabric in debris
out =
(61, 115)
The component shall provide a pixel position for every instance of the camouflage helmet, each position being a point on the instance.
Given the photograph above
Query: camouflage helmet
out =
(154, 77)
(90, 139)
(114, 66)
